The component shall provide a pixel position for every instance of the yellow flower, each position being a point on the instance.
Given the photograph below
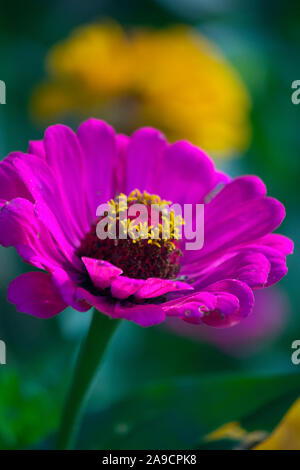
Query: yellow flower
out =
(173, 79)
(287, 434)
(234, 432)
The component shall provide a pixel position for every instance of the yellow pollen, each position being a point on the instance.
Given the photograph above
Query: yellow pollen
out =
(164, 233)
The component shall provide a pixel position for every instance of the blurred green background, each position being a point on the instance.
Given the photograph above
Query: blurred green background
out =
(156, 389)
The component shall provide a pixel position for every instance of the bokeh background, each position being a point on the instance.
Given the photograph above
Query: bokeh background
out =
(159, 387)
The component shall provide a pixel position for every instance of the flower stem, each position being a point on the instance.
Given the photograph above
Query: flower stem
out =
(92, 350)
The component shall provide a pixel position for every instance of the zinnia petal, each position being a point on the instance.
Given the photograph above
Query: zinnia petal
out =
(67, 287)
(101, 272)
(19, 227)
(35, 293)
(180, 172)
(247, 266)
(12, 185)
(98, 142)
(154, 287)
(37, 147)
(143, 315)
(240, 225)
(64, 156)
(228, 312)
(49, 207)
(144, 159)
(123, 287)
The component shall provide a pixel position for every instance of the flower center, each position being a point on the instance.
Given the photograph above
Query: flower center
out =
(139, 234)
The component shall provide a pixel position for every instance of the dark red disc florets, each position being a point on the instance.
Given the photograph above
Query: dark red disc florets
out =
(138, 258)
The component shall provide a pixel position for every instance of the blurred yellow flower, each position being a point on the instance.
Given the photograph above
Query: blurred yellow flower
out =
(287, 434)
(173, 79)
(234, 432)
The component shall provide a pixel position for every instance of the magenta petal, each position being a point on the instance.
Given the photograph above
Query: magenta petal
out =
(154, 287)
(119, 179)
(49, 207)
(222, 178)
(279, 242)
(98, 142)
(270, 314)
(278, 271)
(144, 156)
(277, 260)
(68, 289)
(36, 147)
(65, 158)
(228, 312)
(250, 267)
(235, 193)
(253, 269)
(19, 227)
(143, 315)
(193, 307)
(11, 184)
(101, 272)
(123, 287)
(227, 305)
(34, 293)
(221, 305)
(243, 224)
(187, 174)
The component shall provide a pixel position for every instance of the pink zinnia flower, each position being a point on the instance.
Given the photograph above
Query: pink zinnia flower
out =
(49, 198)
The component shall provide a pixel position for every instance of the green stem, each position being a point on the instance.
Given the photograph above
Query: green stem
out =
(92, 350)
